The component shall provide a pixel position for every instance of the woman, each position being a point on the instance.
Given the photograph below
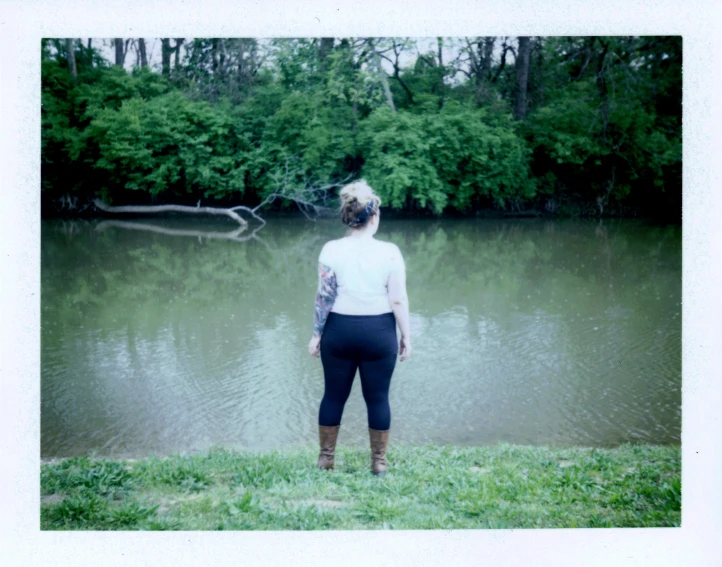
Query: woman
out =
(361, 297)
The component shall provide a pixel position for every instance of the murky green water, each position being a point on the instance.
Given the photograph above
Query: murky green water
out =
(532, 332)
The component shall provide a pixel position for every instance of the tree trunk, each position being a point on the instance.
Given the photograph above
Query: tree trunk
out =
(143, 55)
(488, 51)
(119, 51)
(178, 42)
(480, 58)
(474, 70)
(214, 55)
(539, 72)
(602, 86)
(165, 54)
(71, 59)
(407, 90)
(325, 48)
(383, 77)
(442, 90)
(522, 78)
(504, 49)
(397, 76)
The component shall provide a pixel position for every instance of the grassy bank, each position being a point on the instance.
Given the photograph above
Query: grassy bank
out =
(429, 487)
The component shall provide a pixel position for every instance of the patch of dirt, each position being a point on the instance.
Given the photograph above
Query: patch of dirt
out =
(480, 470)
(165, 503)
(566, 464)
(322, 503)
(51, 499)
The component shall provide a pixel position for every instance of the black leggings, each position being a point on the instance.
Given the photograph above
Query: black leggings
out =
(366, 342)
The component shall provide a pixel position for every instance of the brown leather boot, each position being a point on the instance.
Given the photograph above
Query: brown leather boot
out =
(327, 438)
(379, 442)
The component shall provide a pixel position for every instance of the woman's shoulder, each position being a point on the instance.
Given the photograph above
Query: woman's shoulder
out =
(331, 247)
(343, 245)
(389, 254)
(333, 244)
(388, 247)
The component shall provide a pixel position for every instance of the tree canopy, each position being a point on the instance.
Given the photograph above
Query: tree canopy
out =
(570, 125)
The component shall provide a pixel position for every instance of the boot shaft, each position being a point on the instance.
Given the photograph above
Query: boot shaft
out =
(327, 437)
(379, 443)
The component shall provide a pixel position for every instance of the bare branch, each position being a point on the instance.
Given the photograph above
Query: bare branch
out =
(250, 211)
(502, 63)
(473, 62)
(398, 77)
(293, 185)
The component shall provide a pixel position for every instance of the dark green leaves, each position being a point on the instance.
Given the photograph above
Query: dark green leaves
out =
(602, 131)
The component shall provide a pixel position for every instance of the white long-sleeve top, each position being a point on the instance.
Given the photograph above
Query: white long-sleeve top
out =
(362, 267)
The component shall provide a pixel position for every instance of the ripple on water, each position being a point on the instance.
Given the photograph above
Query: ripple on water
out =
(540, 347)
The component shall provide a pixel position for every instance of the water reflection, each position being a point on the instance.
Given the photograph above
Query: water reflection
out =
(527, 331)
(237, 235)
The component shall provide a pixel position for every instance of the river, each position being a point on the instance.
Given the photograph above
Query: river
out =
(158, 338)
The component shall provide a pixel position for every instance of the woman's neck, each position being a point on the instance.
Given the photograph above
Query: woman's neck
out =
(361, 235)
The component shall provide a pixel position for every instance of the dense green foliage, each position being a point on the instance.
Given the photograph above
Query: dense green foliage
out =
(429, 487)
(232, 119)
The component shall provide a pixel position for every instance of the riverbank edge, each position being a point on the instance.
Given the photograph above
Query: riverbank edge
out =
(427, 487)
(390, 214)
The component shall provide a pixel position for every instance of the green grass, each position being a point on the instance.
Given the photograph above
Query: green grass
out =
(428, 487)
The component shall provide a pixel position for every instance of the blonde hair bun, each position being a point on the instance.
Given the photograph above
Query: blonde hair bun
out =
(355, 198)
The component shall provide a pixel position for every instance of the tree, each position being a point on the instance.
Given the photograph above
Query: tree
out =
(602, 128)
(166, 51)
(382, 75)
(69, 48)
(219, 68)
(142, 53)
(479, 52)
(578, 125)
(176, 50)
(398, 48)
(522, 79)
(121, 48)
(535, 88)
(324, 48)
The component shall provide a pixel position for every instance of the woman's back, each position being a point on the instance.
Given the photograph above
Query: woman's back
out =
(361, 298)
(362, 267)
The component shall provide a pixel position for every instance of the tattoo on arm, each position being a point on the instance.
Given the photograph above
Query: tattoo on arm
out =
(325, 297)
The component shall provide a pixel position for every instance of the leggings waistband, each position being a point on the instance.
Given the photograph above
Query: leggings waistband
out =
(380, 317)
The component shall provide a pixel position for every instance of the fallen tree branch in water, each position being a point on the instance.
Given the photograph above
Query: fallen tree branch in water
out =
(291, 185)
(139, 209)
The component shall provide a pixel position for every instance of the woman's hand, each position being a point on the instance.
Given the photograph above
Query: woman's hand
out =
(404, 348)
(314, 347)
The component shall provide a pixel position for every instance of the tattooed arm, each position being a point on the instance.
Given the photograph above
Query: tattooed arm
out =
(399, 301)
(325, 297)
